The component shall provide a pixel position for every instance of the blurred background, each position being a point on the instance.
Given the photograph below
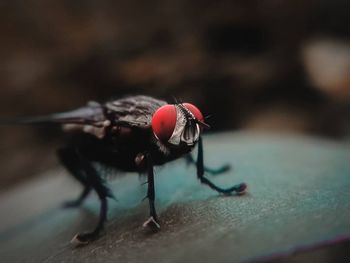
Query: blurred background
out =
(265, 65)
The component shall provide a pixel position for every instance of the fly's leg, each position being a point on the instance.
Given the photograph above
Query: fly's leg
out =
(103, 192)
(239, 188)
(153, 219)
(84, 171)
(77, 202)
(212, 171)
(71, 161)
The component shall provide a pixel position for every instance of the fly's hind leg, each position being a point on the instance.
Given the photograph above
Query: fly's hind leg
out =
(98, 184)
(84, 171)
(213, 171)
(70, 159)
(238, 188)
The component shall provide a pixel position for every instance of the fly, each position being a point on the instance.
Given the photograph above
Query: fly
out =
(133, 134)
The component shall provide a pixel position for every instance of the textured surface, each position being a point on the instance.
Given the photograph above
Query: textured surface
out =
(298, 196)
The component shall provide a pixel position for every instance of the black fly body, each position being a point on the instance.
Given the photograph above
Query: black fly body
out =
(134, 134)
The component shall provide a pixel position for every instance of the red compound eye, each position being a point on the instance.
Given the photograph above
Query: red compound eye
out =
(195, 111)
(164, 122)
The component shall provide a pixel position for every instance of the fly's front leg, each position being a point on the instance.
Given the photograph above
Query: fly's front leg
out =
(212, 171)
(238, 188)
(153, 219)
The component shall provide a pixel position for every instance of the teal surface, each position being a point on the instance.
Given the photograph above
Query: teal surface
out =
(298, 195)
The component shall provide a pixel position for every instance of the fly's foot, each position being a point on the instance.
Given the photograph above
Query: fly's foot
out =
(152, 223)
(239, 189)
(83, 239)
(223, 169)
(242, 188)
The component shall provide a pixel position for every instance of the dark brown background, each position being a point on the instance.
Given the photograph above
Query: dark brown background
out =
(270, 65)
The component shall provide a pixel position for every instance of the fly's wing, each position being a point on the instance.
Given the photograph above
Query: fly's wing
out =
(134, 111)
(92, 114)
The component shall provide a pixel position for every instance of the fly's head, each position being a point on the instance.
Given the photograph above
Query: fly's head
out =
(178, 125)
